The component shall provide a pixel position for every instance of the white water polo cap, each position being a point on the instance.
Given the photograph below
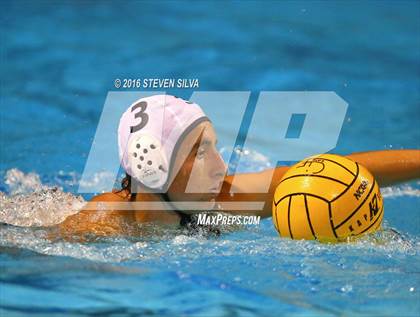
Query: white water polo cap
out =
(149, 134)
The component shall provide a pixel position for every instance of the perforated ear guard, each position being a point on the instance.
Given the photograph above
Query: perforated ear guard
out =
(148, 161)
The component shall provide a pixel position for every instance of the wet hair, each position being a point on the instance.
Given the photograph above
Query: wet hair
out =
(126, 183)
(126, 187)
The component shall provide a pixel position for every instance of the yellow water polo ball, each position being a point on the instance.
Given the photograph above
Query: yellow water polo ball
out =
(329, 198)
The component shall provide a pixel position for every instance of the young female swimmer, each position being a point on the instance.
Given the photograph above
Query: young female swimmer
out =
(168, 145)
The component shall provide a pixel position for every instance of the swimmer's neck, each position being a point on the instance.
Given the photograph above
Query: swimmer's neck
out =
(158, 216)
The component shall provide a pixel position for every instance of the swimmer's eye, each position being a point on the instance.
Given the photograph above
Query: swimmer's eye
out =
(201, 153)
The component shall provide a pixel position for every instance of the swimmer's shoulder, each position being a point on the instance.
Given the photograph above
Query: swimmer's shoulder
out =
(89, 221)
(115, 195)
(138, 215)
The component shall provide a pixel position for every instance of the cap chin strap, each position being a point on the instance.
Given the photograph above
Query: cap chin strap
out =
(148, 161)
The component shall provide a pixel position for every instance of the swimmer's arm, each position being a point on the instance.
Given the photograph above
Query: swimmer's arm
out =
(93, 222)
(107, 215)
(252, 189)
(390, 166)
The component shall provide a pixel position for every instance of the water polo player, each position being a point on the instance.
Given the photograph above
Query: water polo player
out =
(168, 145)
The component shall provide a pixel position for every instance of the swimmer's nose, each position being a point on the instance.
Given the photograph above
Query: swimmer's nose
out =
(219, 166)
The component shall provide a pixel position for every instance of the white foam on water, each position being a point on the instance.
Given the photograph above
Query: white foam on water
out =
(30, 203)
(401, 190)
(20, 183)
(174, 246)
(251, 160)
(117, 250)
(99, 180)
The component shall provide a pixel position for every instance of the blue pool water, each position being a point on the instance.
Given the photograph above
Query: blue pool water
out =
(59, 60)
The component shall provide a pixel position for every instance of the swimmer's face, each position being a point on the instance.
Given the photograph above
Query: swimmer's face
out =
(201, 168)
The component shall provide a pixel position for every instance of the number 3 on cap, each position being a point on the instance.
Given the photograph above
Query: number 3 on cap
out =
(141, 114)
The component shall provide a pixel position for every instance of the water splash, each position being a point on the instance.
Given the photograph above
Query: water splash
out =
(399, 191)
(98, 181)
(251, 160)
(31, 203)
(175, 246)
(20, 183)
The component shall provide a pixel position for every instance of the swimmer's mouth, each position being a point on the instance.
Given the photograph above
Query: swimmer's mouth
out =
(215, 189)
